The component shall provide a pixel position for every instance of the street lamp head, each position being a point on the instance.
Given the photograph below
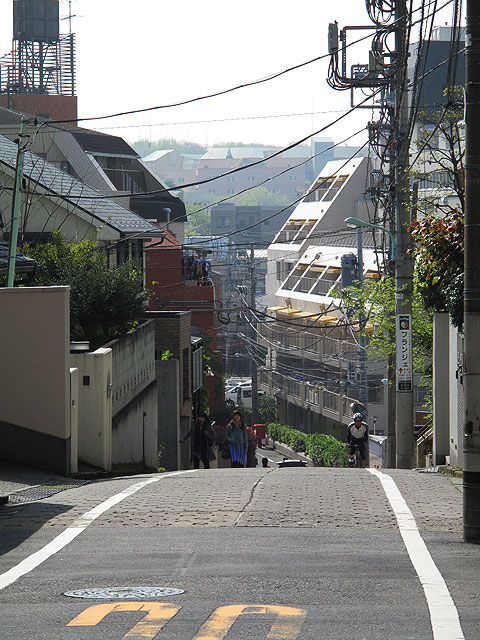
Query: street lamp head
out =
(356, 222)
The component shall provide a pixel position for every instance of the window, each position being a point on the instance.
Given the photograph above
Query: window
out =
(230, 191)
(181, 180)
(231, 179)
(251, 178)
(320, 189)
(292, 178)
(339, 182)
(279, 265)
(223, 222)
(419, 394)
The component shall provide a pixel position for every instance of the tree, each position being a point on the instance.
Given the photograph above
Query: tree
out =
(441, 155)
(104, 302)
(376, 301)
(438, 233)
(182, 146)
(439, 262)
(198, 224)
(266, 408)
(260, 196)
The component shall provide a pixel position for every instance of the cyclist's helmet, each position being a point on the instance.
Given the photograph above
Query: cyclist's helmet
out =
(358, 416)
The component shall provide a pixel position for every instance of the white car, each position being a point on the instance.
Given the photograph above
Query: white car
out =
(241, 396)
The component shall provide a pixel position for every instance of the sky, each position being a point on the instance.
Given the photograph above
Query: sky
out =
(135, 55)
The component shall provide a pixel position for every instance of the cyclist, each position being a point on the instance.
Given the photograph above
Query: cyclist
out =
(357, 436)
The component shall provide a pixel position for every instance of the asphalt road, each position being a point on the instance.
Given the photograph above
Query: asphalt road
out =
(303, 553)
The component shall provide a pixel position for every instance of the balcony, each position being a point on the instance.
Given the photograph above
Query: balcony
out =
(304, 343)
(328, 403)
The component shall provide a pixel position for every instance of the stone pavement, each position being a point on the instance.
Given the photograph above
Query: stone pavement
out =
(255, 498)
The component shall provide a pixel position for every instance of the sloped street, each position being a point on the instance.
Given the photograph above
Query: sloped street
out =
(302, 553)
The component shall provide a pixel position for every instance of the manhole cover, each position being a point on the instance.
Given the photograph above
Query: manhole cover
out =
(124, 592)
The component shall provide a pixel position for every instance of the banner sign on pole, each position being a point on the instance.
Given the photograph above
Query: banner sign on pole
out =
(404, 352)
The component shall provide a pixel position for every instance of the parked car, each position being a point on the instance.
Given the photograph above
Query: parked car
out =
(242, 396)
(286, 463)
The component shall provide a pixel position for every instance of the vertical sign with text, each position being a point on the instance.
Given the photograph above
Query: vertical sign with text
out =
(404, 352)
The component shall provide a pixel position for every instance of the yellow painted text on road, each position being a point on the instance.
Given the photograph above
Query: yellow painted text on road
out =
(158, 613)
(287, 627)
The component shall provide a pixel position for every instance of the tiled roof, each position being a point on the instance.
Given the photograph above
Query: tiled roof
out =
(100, 143)
(62, 184)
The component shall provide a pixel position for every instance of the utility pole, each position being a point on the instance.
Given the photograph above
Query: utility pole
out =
(404, 261)
(253, 365)
(362, 354)
(16, 204)
(471, 375)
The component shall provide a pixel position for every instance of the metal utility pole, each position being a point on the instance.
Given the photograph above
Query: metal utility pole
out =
(404, 262)
(471, 375)
(253, 365)
(16, 204)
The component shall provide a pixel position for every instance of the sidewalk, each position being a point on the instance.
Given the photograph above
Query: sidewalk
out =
(20, 483)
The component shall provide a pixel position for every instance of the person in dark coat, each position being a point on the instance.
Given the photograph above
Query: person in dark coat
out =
(202, 438)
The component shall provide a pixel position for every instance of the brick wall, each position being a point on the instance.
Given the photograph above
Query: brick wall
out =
(57, 107)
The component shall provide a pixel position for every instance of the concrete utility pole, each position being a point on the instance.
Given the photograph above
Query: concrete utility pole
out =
(404, 261)
(253, 367)
(16, 204)
(471, 376)
(362, 353)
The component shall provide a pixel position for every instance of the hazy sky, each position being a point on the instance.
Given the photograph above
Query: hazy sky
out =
(132, 55)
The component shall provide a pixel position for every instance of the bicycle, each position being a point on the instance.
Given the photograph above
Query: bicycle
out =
(355, 462)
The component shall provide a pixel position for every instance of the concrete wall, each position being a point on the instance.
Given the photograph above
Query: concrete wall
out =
(168, 388)
(134, 432)
(133, 365)
(35, 377)
(442, 390)
(134, 399)
(73, 420)
(94, 407)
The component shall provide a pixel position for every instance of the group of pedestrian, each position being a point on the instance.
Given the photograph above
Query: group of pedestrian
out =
(195, 269)
(240, 442)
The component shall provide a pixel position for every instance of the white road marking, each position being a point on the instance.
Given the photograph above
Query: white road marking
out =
(443, 612)
(64, 538)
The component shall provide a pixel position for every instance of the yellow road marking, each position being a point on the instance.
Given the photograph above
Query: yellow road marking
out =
(146, 629)
(287, 627)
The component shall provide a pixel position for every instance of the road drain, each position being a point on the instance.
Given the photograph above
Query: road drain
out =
(111, 593)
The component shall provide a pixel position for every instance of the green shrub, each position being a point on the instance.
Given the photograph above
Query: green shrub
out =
(324, 450)
(297, 440)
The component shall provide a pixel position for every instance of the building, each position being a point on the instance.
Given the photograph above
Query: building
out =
(315, 362)
(287, 174)
(257, 224)
(63, 203)
(105, 163)
(38, 76)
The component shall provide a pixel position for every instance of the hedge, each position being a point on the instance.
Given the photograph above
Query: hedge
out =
(324, 450)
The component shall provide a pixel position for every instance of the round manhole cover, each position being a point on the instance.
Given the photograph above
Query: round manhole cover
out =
(124, 592)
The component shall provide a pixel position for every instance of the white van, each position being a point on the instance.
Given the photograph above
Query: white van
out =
(241, 396)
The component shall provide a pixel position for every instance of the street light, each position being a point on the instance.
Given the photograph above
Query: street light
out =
(356, 222)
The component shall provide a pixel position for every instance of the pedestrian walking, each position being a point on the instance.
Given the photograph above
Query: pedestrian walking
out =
(252, 448)
(202, 437)
(237, 440)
